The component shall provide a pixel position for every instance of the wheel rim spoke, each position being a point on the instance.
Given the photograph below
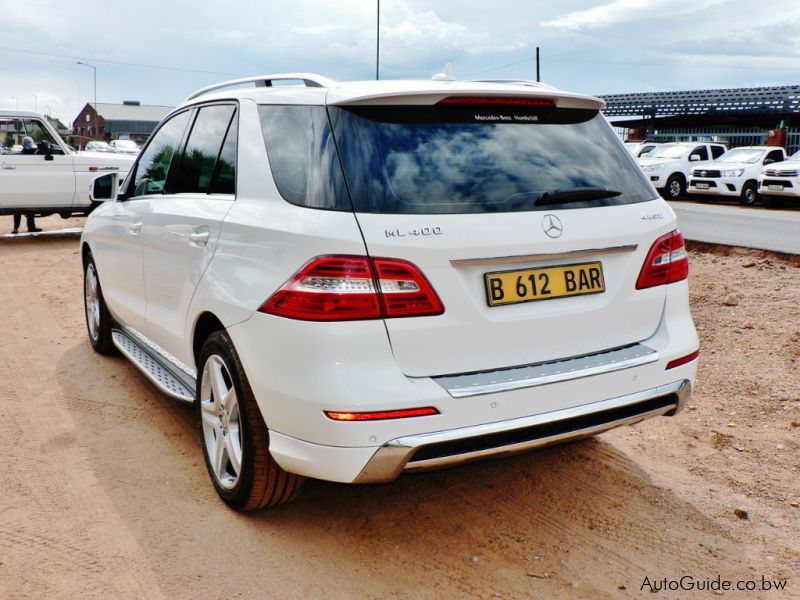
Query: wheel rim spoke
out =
(219, 417)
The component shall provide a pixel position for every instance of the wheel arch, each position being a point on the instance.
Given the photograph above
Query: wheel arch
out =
(205, 324)
(86, 251)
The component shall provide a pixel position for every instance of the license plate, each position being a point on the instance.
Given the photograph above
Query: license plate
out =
(545, 283)
(775, 188)
(701, 186)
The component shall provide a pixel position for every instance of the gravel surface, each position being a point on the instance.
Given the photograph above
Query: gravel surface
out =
(104, 492)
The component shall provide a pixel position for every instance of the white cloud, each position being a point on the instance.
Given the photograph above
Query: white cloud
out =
(233, 36)
(623, 11)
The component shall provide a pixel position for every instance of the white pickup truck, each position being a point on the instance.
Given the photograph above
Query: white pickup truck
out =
(50, 178)
(735, 174)
(780, 181)
(668, 166)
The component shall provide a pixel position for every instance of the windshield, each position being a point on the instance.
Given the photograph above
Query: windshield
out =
(795, 156)
(430, 159)
(742, 155)
(668, 151)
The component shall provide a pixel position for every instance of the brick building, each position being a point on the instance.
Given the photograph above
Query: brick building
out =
(130, 120)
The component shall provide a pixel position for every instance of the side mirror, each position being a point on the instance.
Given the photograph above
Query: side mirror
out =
(694, 158)
(769, 161)
(104, 188)
(44, 148)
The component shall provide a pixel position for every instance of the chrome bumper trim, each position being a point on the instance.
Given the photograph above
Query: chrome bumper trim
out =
(393, 458)
(526, 258)
(503, 380)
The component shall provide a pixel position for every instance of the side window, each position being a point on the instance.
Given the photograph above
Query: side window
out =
(153, 165)
(224, 180)
(196, 166)
(302, 156)
(35, 129)
(717, 151)
(701, 152)
(774, 156)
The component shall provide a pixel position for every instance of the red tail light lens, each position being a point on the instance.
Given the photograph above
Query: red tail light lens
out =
(683, 360)
(381, 414)
(666, 262)
(494, 101)
(349, 288)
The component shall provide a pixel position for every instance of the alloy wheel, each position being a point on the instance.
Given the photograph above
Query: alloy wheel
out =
(220, 418)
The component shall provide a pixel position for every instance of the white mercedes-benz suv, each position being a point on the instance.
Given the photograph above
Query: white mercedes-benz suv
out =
(355, 280)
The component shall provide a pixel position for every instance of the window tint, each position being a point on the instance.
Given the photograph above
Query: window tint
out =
(224, 180)
(153, 165)
(775, 155)
(302, 156)
(196, 166)
(701, 152)
(717, 151)
(434, 160)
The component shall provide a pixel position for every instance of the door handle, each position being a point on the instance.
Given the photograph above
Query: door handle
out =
(9, 167)
(135, 228)
(199, 237)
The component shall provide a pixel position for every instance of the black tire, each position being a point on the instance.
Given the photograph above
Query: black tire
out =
(749, 193)
(676, 187)
(98, 319)
(772, 201)
(260, 481)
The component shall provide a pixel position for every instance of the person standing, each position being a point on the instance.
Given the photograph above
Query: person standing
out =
(30, 221)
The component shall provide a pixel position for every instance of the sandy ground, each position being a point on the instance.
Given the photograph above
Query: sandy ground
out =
(104, 493)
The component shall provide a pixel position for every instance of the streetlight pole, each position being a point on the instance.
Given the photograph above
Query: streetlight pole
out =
(94, 73)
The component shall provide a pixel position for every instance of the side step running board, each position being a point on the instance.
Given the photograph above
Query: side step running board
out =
(153, 367)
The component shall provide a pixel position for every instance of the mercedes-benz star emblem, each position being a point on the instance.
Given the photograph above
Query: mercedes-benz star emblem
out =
(552, 226)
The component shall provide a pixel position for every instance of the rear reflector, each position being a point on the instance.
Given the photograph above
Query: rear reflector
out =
(348, 288)
(665, 263)
(381, 414)
(494, 101)
(683, 360)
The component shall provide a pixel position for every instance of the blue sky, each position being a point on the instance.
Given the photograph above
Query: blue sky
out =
(591, 46)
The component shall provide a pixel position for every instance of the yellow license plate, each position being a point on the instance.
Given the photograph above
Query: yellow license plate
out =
(545, 283)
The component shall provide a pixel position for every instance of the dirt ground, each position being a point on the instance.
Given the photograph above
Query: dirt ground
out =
(104, 493)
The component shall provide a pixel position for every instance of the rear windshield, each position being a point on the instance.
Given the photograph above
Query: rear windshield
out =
(435, 160)
(430, 159)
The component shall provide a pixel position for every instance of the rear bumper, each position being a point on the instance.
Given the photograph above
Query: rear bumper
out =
(445, 448)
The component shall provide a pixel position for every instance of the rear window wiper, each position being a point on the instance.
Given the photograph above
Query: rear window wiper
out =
(578, 194)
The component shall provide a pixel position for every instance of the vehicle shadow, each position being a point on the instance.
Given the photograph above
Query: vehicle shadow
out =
(581, 519)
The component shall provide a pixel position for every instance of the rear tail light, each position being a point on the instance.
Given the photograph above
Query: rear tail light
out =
(666, 262)
(349, 288)
(495, 101)
(381, 414)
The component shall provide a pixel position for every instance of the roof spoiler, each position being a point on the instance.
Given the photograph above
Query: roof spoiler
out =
(308, 79)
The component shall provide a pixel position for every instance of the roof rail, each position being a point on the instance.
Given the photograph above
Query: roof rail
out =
(309, 79)
(524, 82)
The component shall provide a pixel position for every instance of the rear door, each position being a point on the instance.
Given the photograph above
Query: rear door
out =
(180, 232)
(462, 195)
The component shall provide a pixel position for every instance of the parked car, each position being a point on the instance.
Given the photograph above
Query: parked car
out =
(639, 149)
(669, 165)
(98, 146)
(56, 179)
(780, 181)
(471, 270)
(125, 146)
(734, 174)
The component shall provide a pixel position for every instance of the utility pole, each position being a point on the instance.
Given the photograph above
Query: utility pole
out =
(537, 64)
(378, 44)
